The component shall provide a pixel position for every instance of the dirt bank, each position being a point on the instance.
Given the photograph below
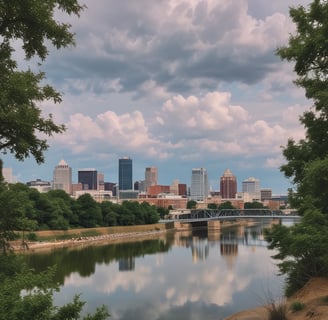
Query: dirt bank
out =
(49, 240)
(314, 297)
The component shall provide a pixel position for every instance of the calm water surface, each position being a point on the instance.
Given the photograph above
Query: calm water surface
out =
(182, 275)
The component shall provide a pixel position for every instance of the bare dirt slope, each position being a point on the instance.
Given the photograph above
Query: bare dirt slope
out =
(314, 296)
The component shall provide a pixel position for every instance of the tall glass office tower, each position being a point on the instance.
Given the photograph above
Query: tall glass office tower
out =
(125, 174)
(199, 188)
(89, 178)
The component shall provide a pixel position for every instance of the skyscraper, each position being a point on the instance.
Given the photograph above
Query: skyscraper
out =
(7, 174)
(199, 187)
(101, 181)
(151, 176)
(125, 173)
(228, 185)
(62, 178)
(89, 178)
(252, 187)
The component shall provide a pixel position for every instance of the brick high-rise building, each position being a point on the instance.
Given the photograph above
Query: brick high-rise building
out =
(228, 185)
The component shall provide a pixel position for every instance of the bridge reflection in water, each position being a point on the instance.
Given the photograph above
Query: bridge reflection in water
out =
(228, 242)
(230, 228)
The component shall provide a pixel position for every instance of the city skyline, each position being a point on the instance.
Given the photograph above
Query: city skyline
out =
(93, 178)
(179, 85)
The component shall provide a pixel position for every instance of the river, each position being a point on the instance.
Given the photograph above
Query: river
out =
(179, 275)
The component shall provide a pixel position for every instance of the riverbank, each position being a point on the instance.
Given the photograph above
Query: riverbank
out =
(51, 239)
(313, 297)
(33, 246)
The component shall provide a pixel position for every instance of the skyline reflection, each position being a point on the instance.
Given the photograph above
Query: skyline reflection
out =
(180, 276)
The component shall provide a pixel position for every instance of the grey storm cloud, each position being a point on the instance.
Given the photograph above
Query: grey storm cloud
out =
(174, 46)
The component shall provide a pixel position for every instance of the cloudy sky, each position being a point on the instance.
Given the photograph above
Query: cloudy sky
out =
(176, 84)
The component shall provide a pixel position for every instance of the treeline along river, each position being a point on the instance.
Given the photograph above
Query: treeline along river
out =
(178, 275)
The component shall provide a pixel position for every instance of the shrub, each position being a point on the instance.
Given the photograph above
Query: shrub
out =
(325, 299)
(32, 236)
(297, 306)
(277, 311)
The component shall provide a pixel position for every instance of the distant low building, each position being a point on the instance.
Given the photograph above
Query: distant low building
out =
(155, 190)
(266, 194)
(128, 194)
(40, 185)
(97, 195)
(166, 202)
(111, 186)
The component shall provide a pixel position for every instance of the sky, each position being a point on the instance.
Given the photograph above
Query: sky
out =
(174, 84)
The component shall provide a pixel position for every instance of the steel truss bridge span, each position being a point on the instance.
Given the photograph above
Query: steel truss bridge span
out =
(228, 214)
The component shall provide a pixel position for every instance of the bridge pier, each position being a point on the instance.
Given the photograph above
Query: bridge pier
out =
(182, 225)
(213, 225)
(213, 230)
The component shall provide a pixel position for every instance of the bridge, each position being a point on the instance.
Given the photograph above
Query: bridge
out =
(226, 214)
(213, 218)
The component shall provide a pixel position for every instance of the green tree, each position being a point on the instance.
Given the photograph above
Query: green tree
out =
(22, 128)
(63, 204)
(37, 300)
(191, 204)
(22, 125)
(212, 206)
(108, 213)
(12, 210)
(307, 49)
(226, 205)
(253, 205)
(163, 212)
(88, 211)
(150, 213)
(302, 249)
(125, 216)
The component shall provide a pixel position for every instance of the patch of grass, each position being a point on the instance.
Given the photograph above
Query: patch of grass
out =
(325, 299)
(90, 233)
(68, 236)
(277, 311)
(65, 236)
(297, 306)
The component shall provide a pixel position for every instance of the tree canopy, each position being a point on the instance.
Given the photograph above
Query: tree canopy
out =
(37, 300)
(30, 23)
(22, 91)
(302, 249)
(308, 50)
